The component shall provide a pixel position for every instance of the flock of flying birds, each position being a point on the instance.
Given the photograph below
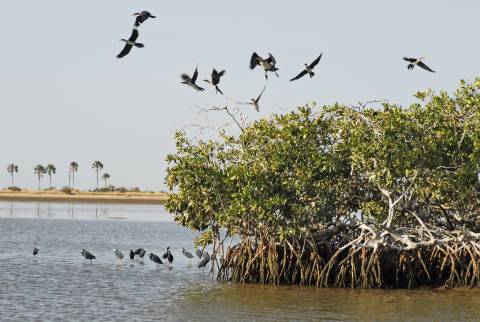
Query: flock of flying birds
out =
(268, 64)
(204, 257)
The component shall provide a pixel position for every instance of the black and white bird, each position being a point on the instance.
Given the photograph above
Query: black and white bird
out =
(187, 254)
(138, 251)
(191, 81)
(142, 16)
(130, 43)
(215, 80)
(118, 254)
(168, 256)
(308, 69)
(418, 62)
(131, 254)
(154, 258)
(268, 64)
(142, 253)
(254, 101)
(88, 256)
(204, 261)
(35, 252)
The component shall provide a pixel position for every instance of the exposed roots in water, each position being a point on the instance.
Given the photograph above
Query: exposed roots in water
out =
(375, 257)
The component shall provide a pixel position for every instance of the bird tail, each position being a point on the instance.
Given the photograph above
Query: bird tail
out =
(218, 89)
(153, 16)
(139, 45)
(410, 66)
(312, 74)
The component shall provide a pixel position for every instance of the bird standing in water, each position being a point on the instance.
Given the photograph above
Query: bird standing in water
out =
(88, 256)
(130, 43)
(142, 16)
(204, 261)
(215, 80)
(168, 256)
(268, 64)
(417, 62)
(118, 254)
(187, 254)
(35, 252)
(131, 254)
(308, 69)
(154, 258)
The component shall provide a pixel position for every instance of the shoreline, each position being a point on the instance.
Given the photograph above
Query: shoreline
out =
(156, 198)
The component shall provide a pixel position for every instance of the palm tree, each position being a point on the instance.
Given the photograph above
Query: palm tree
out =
(40, 171)
(105, 177)
(50, 169)
(12, 168)
(72, 170)
(97, 166)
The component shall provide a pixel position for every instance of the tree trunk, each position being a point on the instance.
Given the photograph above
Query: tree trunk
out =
(38, 182)
(50, 178)
(97, 178)
(69, 175)
(12, 178)
(73, 179)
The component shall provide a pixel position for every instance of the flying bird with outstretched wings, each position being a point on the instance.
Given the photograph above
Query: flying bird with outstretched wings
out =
(308, 69)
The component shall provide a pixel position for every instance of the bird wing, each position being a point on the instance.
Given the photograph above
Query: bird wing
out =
(185, 77)
(134, 35)
(316, 61)
(195, 75)
(271, 59)
(198, 88)
(258, 98)
(138, 20)
(302, 73)
(124, 51)
(220, 74)
(411, 60)
(254, 60)
(422, 64)
(218, 89)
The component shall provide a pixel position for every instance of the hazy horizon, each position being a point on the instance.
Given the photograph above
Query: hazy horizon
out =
(66, 97)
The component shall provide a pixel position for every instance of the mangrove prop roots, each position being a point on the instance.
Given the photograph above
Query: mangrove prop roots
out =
(372, 257)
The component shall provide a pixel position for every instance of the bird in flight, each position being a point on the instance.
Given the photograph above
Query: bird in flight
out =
(418, 62)
(130, 43)
(215, 80)
(268, 64)
(254, 103)
(308, 69)
(142, 16)
(191, 81)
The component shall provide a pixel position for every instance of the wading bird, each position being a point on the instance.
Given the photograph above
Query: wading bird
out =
(129, 44)
(142, 253)
(204, 261)
(35, 252)
(168, 256)
(191, 81)
(268, 64)
(418, 62)
(187, 254)
(215, 80)
(138, 251)
(154, 258)
(118, 254)
(131, 254)
(308, 69)
(142, 16)
(88, 256)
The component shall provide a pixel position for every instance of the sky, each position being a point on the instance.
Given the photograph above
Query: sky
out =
(66, 97)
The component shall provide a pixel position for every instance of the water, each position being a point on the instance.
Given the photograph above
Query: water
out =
(59, 286)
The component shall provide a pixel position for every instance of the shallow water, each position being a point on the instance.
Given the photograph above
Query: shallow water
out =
(60, 286)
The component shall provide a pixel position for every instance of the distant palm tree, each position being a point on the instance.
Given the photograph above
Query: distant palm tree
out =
(105, 177)
(97, 166)
(12, 168)
(72, 170)
(50, 169)
(40, 171)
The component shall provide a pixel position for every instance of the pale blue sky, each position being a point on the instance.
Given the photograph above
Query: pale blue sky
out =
(64, 95)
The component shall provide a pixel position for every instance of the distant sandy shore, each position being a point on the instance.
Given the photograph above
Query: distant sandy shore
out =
(84, 196)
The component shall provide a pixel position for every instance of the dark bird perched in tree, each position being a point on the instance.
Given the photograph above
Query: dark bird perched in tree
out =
(35, 252)
(168, 256)
(118, 254)
(268, 64)
(204, 261)
(131, 254)
(191, 81)
(187, 254)
(129, 44)
(142, 16)
(154, 258)
(215, 80)
(308, 69)
(142, 253)
(88, 256)
(418, 62)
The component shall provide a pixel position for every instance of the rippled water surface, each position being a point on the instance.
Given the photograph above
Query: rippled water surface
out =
(60, 286)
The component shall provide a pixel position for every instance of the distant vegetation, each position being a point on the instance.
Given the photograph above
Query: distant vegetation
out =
(345, 196)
